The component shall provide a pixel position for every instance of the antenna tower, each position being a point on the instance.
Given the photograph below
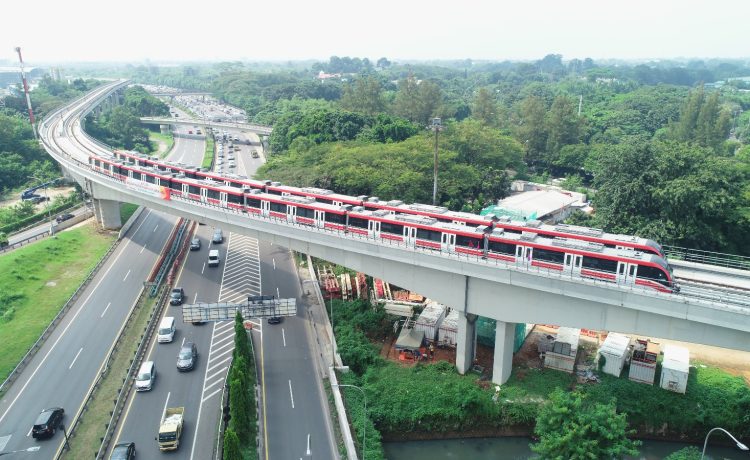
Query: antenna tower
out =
(26, 91)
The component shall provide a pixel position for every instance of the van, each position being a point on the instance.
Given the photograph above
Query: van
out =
(166, 330)
(144, 380)
(213, 258)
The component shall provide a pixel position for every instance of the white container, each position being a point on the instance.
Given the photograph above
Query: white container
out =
(675, 369)
(642, 372)
(448, 329)
(430, 319)
(615, 351)
(562, 355)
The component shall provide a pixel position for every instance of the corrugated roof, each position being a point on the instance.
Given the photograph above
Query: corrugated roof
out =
(615, 344)
(569, 335)
(539, 202)
(676, 358)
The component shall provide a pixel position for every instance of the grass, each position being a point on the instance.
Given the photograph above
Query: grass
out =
(36, 282)
(162, 138)
(127, 210)
(208, 158)
(92, 427)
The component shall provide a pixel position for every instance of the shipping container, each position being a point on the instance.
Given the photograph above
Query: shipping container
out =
(430, 319)
(675, 369)
(614, 351)
(563, 351)
(643, 361)
(448, 329)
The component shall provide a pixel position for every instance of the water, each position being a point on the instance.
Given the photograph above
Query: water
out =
(517, 448)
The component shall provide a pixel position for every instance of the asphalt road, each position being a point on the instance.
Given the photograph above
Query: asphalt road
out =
(62, 372)
(39, 229)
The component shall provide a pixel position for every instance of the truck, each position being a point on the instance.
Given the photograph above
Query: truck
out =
(170, 429)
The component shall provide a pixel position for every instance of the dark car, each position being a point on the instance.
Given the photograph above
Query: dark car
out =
(195, 244)
(187, 357)
(64, 217)
(275, 319)
(177, 296)
(123, 451)
(47, 422)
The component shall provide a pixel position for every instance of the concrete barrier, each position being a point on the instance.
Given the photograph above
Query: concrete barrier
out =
(124, 229)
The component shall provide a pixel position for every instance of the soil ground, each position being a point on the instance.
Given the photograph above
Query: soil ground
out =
(51, 192)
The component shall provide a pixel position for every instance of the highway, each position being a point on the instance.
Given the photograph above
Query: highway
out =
(63, 370)
(39, 228)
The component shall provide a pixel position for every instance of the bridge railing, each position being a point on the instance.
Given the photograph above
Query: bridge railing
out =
(719, 259)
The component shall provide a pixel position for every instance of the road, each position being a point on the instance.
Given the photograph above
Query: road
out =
(39, 229)
(63, 370)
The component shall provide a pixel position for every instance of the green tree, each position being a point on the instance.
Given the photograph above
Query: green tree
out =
(241, 341)
(703, 120)
(570, 428)
(485, 108)
(239, 411)
(232, 450)
(416, 100)
(531, 131)
(563, 127)
(686, 453)
(364, 95)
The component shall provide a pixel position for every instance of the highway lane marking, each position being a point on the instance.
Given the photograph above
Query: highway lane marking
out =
(183, 341)
(219, 363)
(105, 310)
(204, 268)
(219, 372)
(278, 296)
(200, 406)
(228, 337)
(291, 394)
(274, 263)
(209, 396)
(4, 441)
(165, 405)
(126, 276)
(222, 347)
(29, 433)
(144, 247)
(157, 226)
(283, 336)
(195, 299)
(216, 382)
(74, 359)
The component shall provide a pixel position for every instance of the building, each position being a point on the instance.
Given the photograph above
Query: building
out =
(614, 352)
(675, 369)
(561, 354)
(548, 203)
(643, 361)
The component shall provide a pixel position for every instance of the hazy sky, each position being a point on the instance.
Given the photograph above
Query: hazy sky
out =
(135, 30)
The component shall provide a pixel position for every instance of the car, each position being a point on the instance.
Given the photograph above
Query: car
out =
(36, 199)
(218, 236)
(64, 217)
(254, 154)
(195, 244)
(123, 451)
(275, 320)
(177, 296)
(47, 422)
(187, 356)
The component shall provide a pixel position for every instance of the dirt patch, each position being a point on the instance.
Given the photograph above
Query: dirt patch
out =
(51, 192)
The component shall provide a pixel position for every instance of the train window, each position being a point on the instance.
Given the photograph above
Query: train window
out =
(652, 273)
(431, 235)
(357, 222)
(322, 200)
(193, 190)
(469, 241)
(593, 263)
(174, 185)
(549, 256)
(253, 203)
(213, 194)
(232, 198)
(388, 227)
(274, 192)
(334, 218)
(502, 248)
(277, 207)
(96, 163)
(304, 212)
(149, 178)
(235, 184)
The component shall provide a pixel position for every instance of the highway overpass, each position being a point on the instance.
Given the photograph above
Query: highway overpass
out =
(470, 284)
(247, 127)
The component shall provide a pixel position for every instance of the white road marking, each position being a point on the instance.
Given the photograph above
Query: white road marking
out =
(216, 382)
(144, 247)
(278, 296)
(207, 397)
(105, 310)
(183, 341)
(217, 373)
(224, 339)
(126, 276)
(165, 405)
(220, 363)
(291, 395)
(200, 406)
(29, 433)
(274, 263)
(230, 344)
(4, 441)
(74, 359)
(204, 268)
(157, 226)
(195, 300)
(283, 336)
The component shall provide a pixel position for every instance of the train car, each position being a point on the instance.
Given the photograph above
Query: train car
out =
(294, 209)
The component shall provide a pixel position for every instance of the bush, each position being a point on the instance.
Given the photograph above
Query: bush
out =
(686, 453)
(231, 445)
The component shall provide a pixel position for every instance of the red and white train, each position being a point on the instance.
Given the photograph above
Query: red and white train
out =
(524, 246)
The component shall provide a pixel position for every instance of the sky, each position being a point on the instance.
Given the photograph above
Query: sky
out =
(281, 30)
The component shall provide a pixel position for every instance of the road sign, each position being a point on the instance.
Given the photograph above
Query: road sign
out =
(254, 307)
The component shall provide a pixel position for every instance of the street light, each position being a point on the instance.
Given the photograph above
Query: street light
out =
(364, 422)
(436, 126)
(705, 443)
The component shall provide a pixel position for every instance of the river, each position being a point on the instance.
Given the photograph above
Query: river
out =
(517, 448)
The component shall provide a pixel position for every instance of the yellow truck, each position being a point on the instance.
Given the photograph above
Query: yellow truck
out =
(170, 429)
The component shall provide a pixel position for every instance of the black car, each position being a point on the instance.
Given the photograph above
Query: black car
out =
(187, 357)
(177, 296)
(275, 319)
(64, 217)
(195, 244)
(47, 422)
(123, 451)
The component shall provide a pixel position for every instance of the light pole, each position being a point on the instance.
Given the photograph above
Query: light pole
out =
(705, 443)
(364, 422)
(436, 126)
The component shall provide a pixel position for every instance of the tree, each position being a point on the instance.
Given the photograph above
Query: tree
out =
(702, 120)
(686, 453)
(383, 63)
(239, 411)
(570, 428)
(232, 449)
(531, 131)
(485, 107)
(364, 95)
(241, 342)
(417, 101)
(563, 127)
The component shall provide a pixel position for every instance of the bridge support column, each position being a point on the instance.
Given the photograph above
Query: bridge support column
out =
(108, 213)
(503, 361)
(164, 129)
(465, 341)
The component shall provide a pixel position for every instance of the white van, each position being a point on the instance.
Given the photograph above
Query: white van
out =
(144, 380)
(213, 258)
(166, 330)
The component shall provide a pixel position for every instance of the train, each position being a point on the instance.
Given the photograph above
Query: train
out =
(570, 250)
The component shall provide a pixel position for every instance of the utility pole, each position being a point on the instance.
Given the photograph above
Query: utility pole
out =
(436, 126)
(26, 91)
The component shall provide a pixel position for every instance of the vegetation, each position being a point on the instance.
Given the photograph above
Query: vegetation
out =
(37, 280)
(127, 210)
(23, 214)
(240, 435)
(167, 139)
(208, 157)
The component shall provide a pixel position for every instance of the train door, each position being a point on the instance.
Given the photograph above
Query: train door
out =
(448, 242)
(223, 198)
(523, 256)
(185, 191)
(320, 218)
(573, 264)
(291, 213)
(204, 195)
(410, 236)
(373, 227)
(626, 273)
(265, 208)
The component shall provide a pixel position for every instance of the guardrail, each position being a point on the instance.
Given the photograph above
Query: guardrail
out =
(719, 259)
(52, 325)
(24, 242)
